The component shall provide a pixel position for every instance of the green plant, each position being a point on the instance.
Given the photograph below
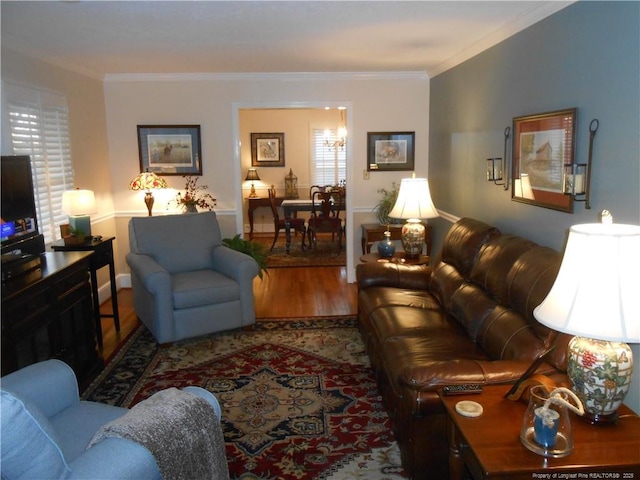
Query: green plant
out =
(257, 251)
(385, 204)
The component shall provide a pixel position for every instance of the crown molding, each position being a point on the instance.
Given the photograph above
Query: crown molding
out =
(256, 76)
(533, 16)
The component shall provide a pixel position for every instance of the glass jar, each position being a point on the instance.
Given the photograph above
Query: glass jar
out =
(386, 247)
(546, 427)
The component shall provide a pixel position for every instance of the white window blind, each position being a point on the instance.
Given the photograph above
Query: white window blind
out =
(328, 165)
(39, 126)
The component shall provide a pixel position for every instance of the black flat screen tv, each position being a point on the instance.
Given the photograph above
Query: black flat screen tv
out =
(19, 223)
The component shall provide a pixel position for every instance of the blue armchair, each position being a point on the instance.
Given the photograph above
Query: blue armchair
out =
(46, 429)
(185, 282)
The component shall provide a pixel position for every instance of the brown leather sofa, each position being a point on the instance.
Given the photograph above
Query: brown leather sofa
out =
(466, 319)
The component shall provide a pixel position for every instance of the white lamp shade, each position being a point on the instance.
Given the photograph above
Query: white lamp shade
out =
(414, 200)
(596, 292)
(522, 187)
(78, 202)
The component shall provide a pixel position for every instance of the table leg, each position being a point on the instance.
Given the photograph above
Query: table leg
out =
(456, 463)
(251, 209)
(114, 294)
(96, 305)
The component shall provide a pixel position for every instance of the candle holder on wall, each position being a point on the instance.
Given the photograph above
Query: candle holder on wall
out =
(577, 176)
(497, 166)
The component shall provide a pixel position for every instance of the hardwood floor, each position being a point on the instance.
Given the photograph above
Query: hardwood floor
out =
(284, 292)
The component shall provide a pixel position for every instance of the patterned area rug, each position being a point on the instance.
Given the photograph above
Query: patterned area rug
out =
(298, 396)
(326, 254)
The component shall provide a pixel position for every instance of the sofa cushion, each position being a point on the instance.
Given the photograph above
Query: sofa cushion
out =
(203, 287)
(29, 443)
(463, 242)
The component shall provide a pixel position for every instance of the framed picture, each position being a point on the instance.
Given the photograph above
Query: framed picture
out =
(267, 149)
(390, 151)
(542, 144)
(170, 149)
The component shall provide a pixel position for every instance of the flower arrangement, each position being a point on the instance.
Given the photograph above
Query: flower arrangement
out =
(194, 196)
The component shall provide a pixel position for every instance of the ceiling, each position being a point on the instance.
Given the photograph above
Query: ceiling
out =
(101, 38)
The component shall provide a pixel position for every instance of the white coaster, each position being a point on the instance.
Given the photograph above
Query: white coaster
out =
(468, 408)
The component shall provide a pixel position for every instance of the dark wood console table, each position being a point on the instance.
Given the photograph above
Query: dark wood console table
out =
(50, 315)
(102, 257)
(489, 445)
(374, 232)
(258, 202)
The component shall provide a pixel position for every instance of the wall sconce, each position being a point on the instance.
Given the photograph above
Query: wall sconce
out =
(497, 166)
(252, 175)
(577, 176)
(147, 181)
(79, 204)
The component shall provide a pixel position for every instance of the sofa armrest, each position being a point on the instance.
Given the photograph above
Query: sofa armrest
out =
(154, 277)
(115, 458)
(387, 274)
(50, 385)
(438, 374)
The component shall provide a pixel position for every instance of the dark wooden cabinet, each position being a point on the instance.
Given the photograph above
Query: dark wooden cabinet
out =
(50, 315)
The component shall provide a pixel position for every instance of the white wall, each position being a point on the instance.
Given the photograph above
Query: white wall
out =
(377, 102)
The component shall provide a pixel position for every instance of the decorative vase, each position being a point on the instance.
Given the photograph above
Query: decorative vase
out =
(190, 209)
(386, 248)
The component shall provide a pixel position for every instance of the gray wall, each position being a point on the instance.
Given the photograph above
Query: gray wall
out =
(586, 56)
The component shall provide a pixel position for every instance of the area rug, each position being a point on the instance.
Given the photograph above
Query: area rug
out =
(326, 253)
(298, 396)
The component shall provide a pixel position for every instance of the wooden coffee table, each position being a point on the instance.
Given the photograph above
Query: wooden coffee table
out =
(490, 448)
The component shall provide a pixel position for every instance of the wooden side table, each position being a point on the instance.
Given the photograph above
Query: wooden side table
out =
(374, 232)
(398, 257)
(102, 249)
(490, 448)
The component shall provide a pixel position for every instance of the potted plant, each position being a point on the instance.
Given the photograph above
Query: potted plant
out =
(385, 204)
(194, 196)
(257, 251)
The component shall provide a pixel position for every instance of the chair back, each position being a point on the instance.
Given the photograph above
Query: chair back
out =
(273, 205)
(316, 188)
(179, 243)
(327, 204)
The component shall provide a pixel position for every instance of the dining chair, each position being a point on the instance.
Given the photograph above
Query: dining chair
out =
(296, 224)
(325, 216)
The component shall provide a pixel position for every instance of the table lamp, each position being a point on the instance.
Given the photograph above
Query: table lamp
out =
(413, 204)
(252, 175)
(147, 181)
(79, 204)
(596, 298)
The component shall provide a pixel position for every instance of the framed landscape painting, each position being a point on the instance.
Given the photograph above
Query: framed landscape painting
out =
(170, 149)
(542, 145)
(390, 151)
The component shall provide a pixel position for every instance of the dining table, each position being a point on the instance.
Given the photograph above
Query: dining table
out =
(291, 207)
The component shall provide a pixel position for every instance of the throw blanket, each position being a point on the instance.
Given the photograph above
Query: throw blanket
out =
(180, 429)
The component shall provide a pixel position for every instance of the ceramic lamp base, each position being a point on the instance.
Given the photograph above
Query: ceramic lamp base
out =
(600, 374)
(413, 238)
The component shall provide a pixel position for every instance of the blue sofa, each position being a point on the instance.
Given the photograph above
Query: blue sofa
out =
(46, 429)
(185, 282)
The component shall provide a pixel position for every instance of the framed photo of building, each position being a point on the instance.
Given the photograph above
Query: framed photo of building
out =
(170, 149)
(390, 151)
(542, 145)
(267, 149)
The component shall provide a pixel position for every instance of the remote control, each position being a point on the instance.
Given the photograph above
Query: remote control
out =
(467, 389)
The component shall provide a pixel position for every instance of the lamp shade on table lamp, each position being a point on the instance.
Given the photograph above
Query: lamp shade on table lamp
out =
(79, 204)
(147, 181)
(252, 176)
(413, 204)
(596, 298)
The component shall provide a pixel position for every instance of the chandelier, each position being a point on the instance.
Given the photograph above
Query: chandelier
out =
(340, 139)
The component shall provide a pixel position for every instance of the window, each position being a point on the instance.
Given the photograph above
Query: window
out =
(39, 127)
(328, 164)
